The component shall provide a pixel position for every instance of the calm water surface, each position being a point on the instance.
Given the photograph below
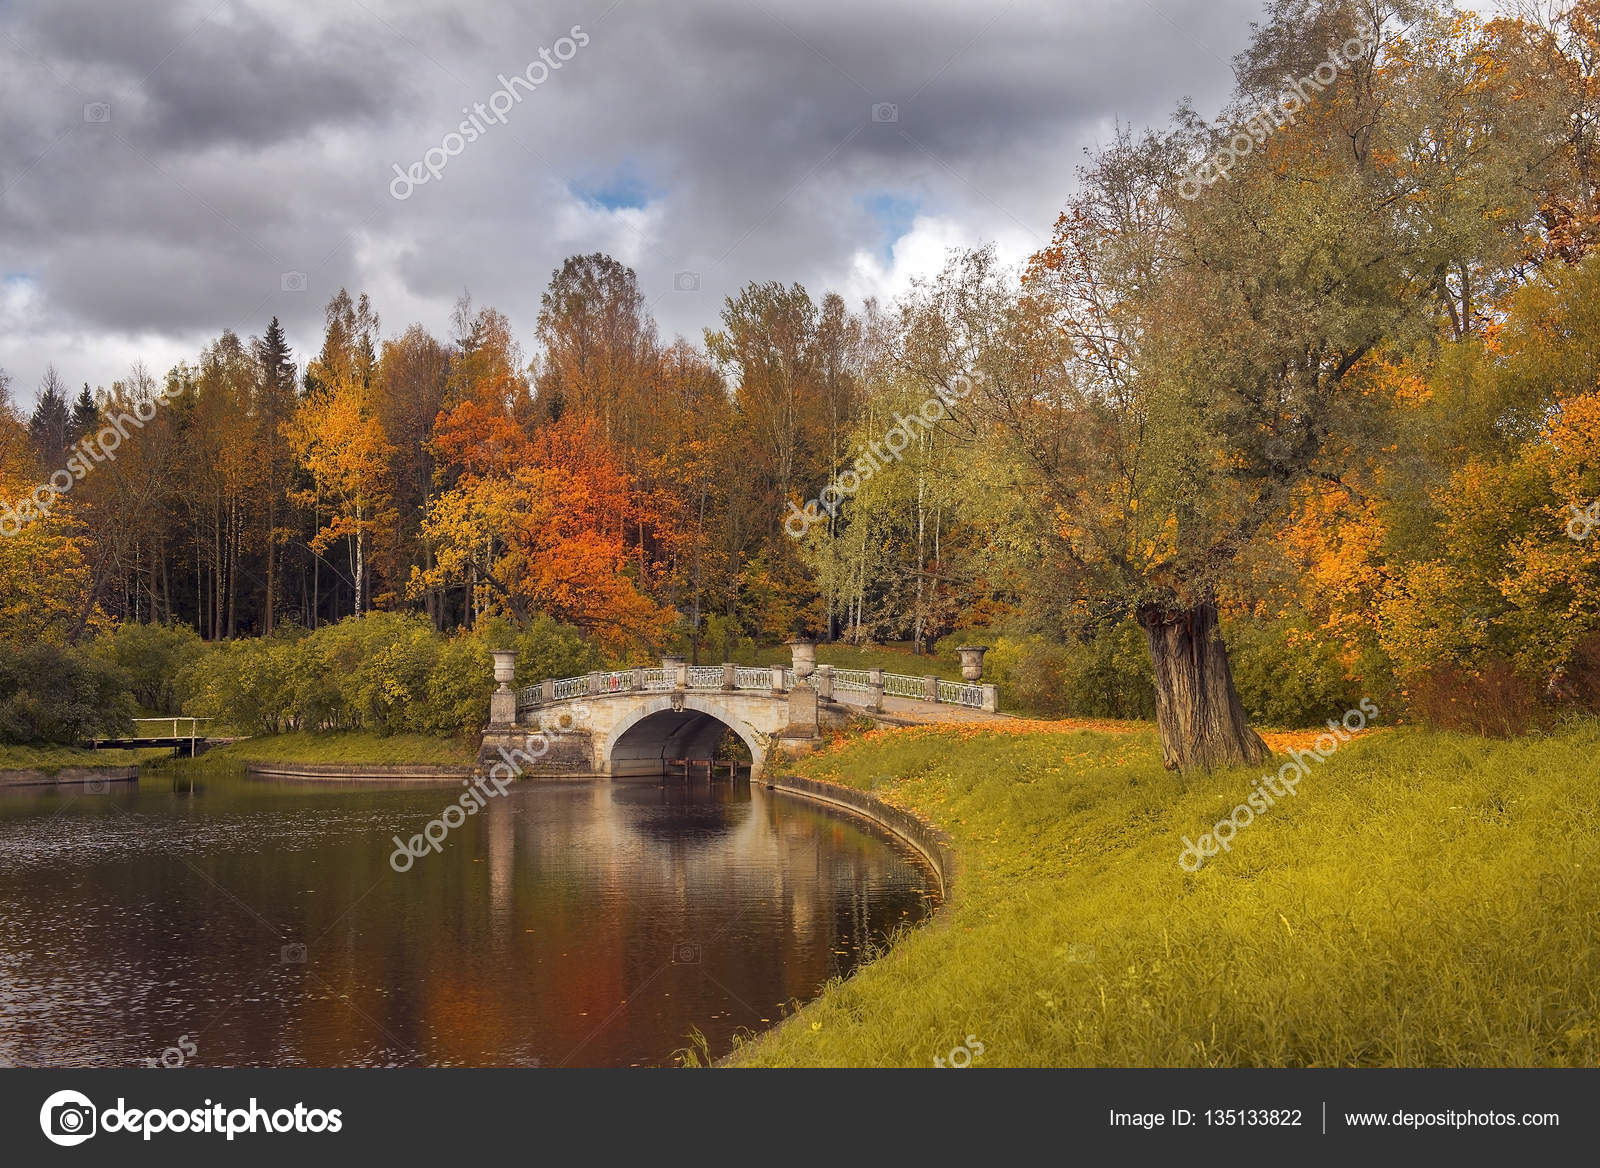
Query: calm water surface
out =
(576, 924)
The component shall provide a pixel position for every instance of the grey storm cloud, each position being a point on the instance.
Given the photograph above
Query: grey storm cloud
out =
(244, 142)
(246, 80)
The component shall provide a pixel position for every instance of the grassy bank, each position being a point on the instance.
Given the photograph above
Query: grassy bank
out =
(1425, 899)
(352, 747)
(51, 759)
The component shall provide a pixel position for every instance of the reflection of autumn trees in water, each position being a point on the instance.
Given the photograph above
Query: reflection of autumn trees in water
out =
(595, 922)
(591, 922)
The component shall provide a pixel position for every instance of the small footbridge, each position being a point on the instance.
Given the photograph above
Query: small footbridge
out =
(181, 735)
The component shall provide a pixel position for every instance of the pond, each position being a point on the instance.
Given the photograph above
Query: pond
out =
(206, 918)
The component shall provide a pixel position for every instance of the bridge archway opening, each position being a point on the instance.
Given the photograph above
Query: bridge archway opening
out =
(669, 742)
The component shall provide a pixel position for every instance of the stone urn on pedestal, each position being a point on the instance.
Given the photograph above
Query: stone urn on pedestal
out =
(799, 736)
(503, 702)
(972, 661)
(804, 654)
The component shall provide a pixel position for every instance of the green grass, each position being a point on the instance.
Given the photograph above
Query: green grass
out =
(349, 747)
(1424, 900)
(51, 759)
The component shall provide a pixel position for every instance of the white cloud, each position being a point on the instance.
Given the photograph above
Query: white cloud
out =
(922, 251)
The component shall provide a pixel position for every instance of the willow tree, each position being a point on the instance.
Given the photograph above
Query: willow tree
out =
(1185, 356)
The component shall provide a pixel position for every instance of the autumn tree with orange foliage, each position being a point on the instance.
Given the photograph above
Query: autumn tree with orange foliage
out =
(538, 524)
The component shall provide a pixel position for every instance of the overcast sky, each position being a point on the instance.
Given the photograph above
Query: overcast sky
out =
(173, 168)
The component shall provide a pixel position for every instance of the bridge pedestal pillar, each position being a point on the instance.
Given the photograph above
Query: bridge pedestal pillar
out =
(802, 712)
(675, 669)
(825, 682)
(802, 733)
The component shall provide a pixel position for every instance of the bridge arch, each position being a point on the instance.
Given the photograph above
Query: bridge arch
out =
(685, 725)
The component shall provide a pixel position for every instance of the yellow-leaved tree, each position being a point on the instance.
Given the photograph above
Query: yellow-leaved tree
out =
(337, 437)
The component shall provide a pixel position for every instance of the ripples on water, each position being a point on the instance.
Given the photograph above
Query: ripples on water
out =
(565, 924)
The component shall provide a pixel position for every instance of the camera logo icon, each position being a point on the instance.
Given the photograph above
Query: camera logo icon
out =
(686, 953)
(292, 282)
(67, 1118)
(96, 786)
(686, 282)
(293, 954)
(885, 112)
(97, 111)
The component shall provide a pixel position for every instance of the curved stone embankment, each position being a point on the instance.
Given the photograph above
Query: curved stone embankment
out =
(69, 776)
(929, 841)
(355, 772)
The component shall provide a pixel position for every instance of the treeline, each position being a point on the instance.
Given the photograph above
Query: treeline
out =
(633, 488)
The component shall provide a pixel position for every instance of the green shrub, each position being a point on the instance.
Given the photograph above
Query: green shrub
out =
(459, 686)
(377, 669)
(1285, 677)
(154, 658)
(246, 685)
(387, 673)
(1105, 676)
(723, 639)
(1111, 675)
(547, 648)
(54, 694)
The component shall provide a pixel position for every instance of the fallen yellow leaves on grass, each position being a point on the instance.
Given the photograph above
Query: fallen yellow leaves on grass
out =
(1283, 741)
(967, 731)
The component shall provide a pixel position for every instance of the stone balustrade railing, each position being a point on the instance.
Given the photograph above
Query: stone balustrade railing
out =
(777, 679)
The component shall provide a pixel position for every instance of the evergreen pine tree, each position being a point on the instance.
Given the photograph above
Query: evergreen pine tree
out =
(85, 416)
(275, 403)
(48, 428)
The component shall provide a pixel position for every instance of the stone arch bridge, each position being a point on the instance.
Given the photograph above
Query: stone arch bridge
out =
(672, 719)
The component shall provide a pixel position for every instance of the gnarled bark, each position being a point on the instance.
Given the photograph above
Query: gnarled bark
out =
(1198, 714)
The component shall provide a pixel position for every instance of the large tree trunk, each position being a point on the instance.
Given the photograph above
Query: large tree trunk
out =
(1198, 714)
